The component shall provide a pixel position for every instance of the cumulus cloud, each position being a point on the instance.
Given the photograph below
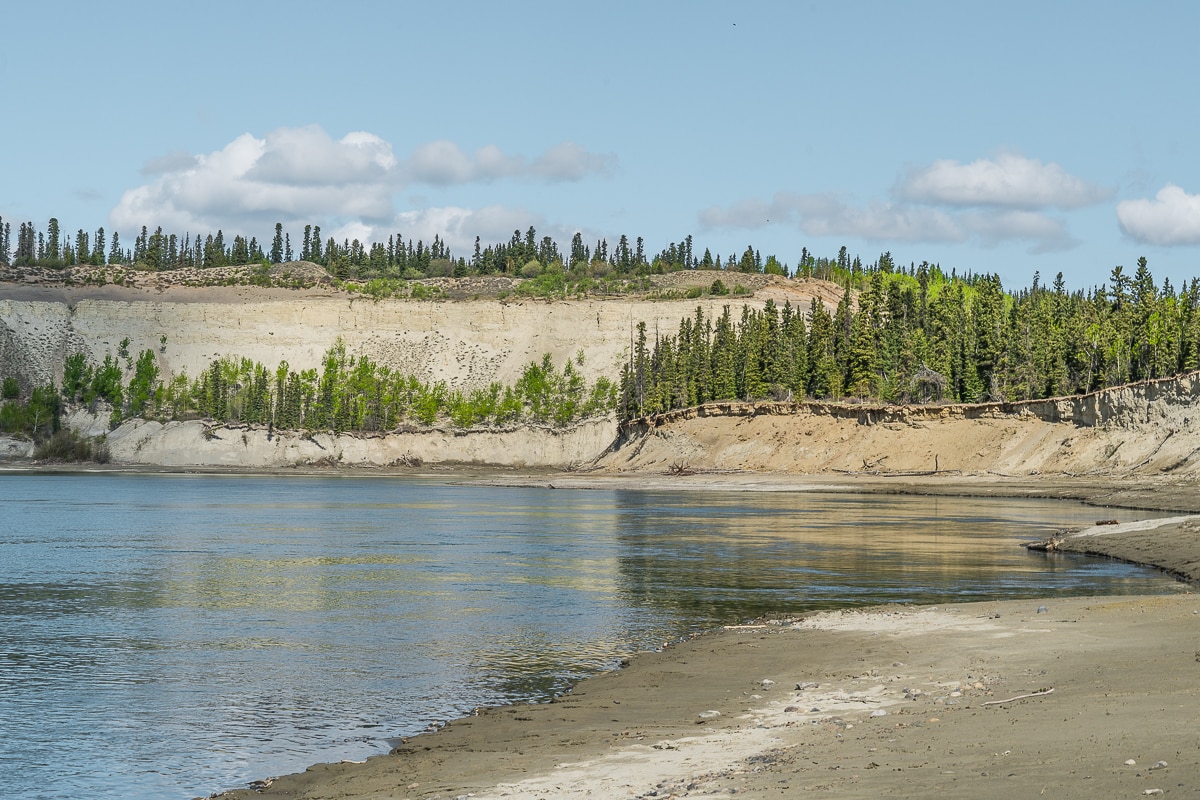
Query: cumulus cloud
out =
(1008, 180)
(247, 185)
(310, 157)
(1172, 218)
(302, 174)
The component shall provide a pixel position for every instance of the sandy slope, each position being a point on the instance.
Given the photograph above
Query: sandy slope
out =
(184, 444)
(1149, 428)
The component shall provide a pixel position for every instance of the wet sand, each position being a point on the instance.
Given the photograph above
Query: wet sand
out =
(950, 701)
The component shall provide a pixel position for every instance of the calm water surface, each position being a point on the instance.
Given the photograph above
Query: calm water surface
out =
(169, 636)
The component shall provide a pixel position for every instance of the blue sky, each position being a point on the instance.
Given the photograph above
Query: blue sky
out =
(1007, 138)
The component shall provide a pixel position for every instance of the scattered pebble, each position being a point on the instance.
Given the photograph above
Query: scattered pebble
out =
(879, 713)
(1042, 609)
(710, 714)
(1152, 791)
(800, 687)
(767, 683)
(1159, 765)
(1130, 762)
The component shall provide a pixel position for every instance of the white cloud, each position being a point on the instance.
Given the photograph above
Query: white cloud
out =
(171, 162)
(1008, 180)
(828, 215)
(247, 186)
(299, 175)
(1046, 234)
(309, 157)
(1171, 218)
(444, 163)
(748, 214)
(458, 227)
(351, 231)
(571, 162)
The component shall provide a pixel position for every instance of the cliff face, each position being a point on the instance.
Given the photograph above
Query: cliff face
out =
(1147, 428)
(195, 444)
(465, 344)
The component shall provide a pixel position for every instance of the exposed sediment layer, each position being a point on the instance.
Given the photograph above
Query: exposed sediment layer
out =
(186, 444)
(1145, 428)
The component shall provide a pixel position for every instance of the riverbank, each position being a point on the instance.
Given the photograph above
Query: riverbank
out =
(899, 701)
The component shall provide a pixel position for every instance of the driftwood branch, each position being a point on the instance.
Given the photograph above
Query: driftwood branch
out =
(1042, 693)
(880, 473)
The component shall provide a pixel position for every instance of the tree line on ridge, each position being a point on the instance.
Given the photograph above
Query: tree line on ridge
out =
(919, 336)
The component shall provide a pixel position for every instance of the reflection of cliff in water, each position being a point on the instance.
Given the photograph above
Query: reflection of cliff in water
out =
(725, 557)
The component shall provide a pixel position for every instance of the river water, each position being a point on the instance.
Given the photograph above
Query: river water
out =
(167, 636)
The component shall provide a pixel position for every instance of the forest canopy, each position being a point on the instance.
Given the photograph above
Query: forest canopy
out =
(922, 336)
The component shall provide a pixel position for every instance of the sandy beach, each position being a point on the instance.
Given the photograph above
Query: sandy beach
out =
(1083, 697)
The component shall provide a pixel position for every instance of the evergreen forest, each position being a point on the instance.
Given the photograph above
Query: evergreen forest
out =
(919, 335)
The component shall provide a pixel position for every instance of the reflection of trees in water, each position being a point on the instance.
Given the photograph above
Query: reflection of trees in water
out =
(697, 562)
(712, 561)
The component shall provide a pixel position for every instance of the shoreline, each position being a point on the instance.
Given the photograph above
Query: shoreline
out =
(891, 701)
(993, 699)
